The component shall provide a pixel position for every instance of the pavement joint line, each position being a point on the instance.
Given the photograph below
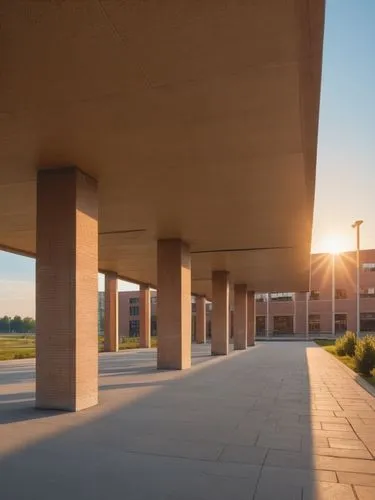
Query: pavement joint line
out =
(260, 474)
(354, 492)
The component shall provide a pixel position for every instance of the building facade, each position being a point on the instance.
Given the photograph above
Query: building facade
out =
(331, 303)
(331, 300)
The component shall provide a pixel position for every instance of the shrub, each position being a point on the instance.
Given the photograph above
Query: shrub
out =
(365, 355)
(345, 346)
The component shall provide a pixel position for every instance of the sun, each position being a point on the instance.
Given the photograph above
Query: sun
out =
(333, 244)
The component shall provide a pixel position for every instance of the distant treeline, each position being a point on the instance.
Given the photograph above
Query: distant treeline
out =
(17, 324)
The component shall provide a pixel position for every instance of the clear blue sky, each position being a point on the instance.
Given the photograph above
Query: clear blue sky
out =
(346, 154)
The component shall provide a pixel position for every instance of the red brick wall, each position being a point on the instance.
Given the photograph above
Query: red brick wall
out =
(321, 280)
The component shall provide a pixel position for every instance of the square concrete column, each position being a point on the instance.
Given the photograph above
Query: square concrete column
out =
(66, 290)
(250, 319)
(145, 316)
(240, 317)
(220, 313)
(200, 320)
(111, 313)
(174, 304)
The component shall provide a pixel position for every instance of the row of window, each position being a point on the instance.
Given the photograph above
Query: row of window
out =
(275, 297)
(340, 294)
(368, 266)
(285, 324)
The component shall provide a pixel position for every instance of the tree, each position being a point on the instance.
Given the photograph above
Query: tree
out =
(16, 324)
(5, 324)
(28, 325)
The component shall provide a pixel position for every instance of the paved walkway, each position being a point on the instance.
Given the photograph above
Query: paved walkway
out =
(280, 421)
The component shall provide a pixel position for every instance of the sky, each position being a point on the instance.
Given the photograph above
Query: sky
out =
(345, 179)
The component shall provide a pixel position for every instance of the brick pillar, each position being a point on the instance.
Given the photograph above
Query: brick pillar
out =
(240, 317)
(200, 320)
(145, 316)
(174, 304)
(220, 313)
(251, 319)
(111, 313)
(66, 290)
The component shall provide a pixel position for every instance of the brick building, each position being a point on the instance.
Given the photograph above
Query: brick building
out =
(332, 294)
(287, 313)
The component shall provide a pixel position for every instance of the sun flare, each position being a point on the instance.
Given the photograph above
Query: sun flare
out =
(333, 244)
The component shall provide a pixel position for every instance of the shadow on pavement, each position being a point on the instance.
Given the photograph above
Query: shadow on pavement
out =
(236, 427)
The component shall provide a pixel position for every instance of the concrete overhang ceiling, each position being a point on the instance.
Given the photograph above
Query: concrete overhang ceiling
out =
(199, 120)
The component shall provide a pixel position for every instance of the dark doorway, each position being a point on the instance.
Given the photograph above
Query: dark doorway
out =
(367, 322)
(261, 325)
(283, 324)
(341, 323)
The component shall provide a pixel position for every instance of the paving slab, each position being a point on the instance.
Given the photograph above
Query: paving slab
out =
(280, 420)
(329, 491)
(365, 492)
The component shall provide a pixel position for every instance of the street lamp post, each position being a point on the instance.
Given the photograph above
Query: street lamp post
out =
(333, 295)
(307, 303)
(356, 225)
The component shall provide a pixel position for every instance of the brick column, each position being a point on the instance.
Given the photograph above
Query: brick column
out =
(240, 317)
(174, 304)
(111, 313)
(200, 320)
(220, 313)
(66, 290)
(251, 326)
(145, 316)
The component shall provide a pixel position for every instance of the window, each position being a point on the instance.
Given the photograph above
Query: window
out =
(260, 297)
(341, 324)
(368, 267)
(193, 307)
(314, 295)
(133, 328)
(283, 324)
(134, 310)
(134, 300)
(282, 297)
(153, 326)
(341, 293)
(367, 293)
(367, 322)
(314, 322)
(261, 325)
(154, 300)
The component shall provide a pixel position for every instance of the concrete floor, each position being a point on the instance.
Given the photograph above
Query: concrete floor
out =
(279, 421)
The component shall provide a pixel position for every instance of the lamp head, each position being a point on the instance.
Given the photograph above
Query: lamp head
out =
(357, 223)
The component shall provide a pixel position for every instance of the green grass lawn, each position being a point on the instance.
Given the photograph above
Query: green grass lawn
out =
(17, 347)
(329, 346)
(23, 346)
